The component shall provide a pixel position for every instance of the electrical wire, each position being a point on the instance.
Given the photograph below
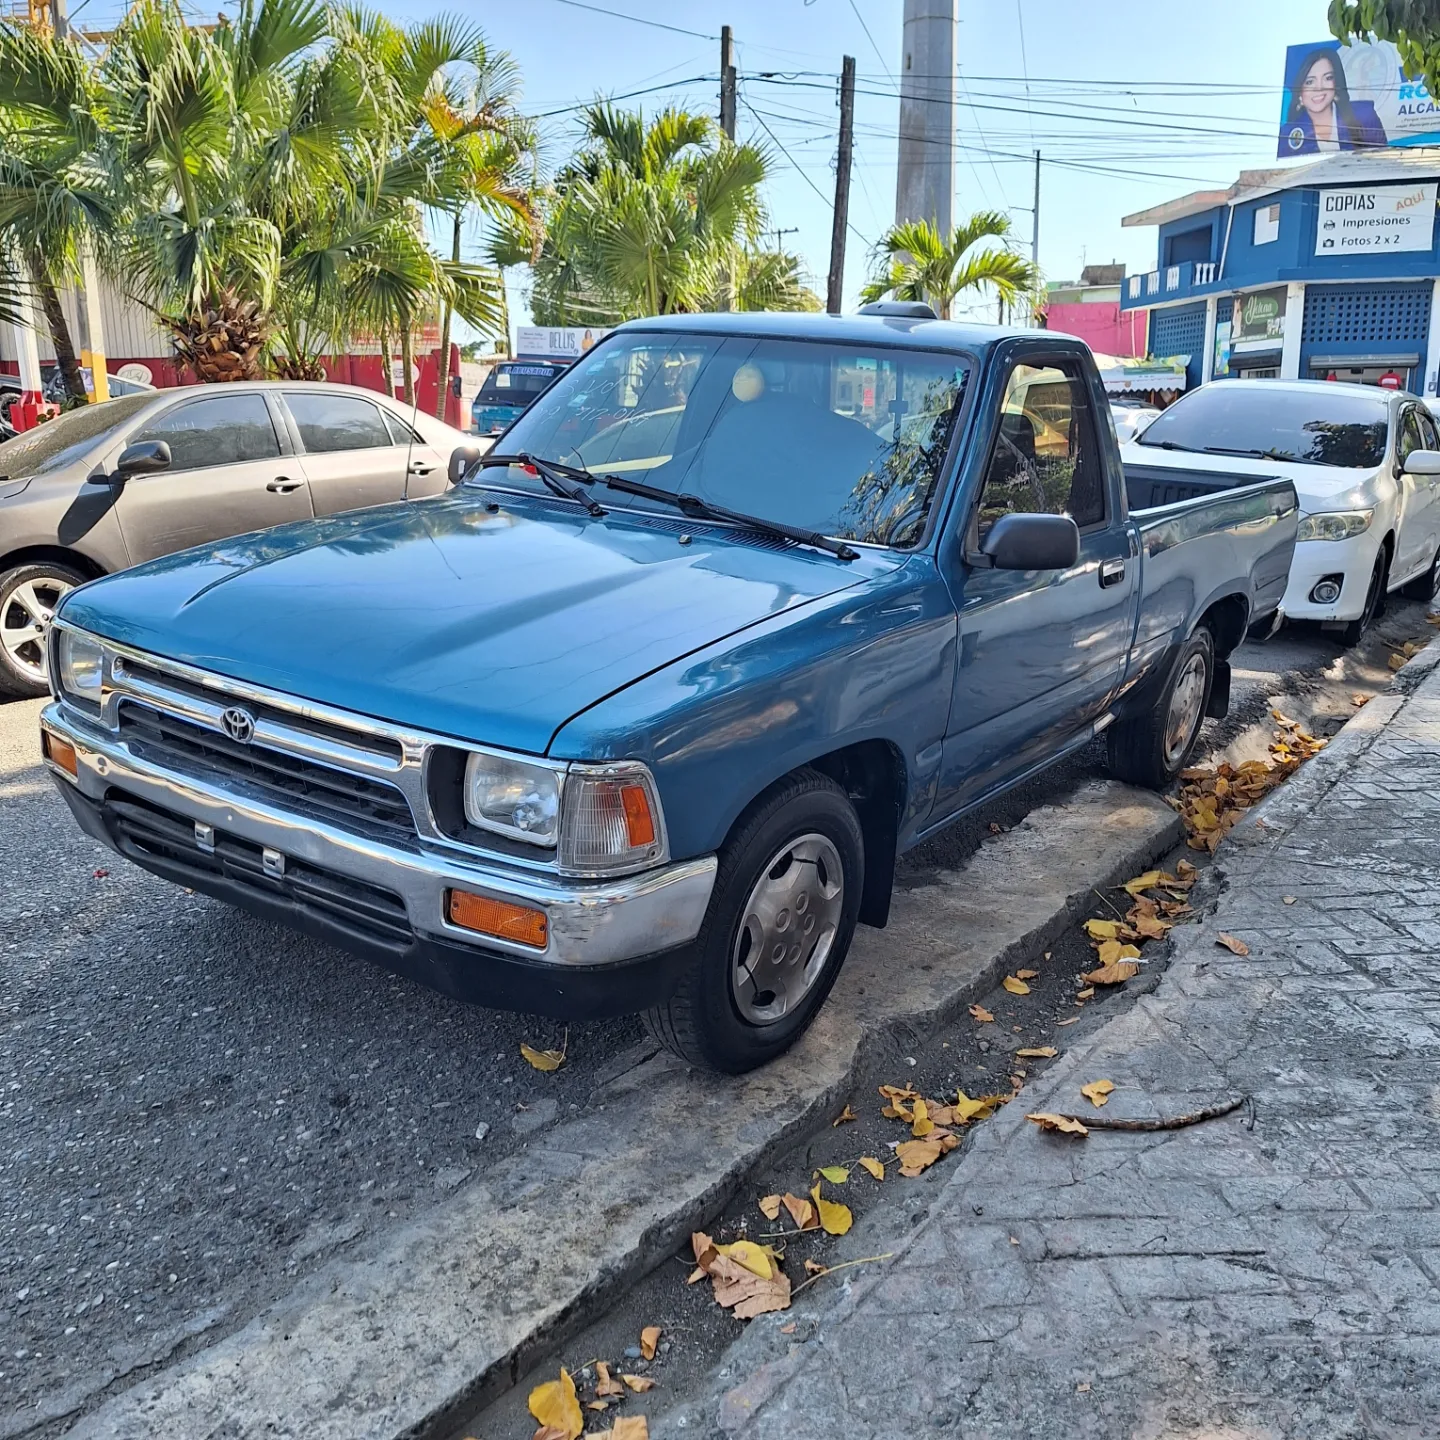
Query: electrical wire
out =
(637, 20)
(871, 39)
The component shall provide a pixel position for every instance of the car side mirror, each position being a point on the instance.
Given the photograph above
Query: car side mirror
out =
(1423, 462)
(141, 458)
(462, 457)
(1033, 542)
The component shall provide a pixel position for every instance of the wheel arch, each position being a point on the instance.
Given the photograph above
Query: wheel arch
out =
(55, 554)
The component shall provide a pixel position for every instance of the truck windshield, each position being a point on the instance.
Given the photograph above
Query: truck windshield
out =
(516, 384)
(846, 440)
(1316, 426)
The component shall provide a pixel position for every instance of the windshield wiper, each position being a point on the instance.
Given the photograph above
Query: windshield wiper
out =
(1162, 444)
(1280, 455)
(558, 479)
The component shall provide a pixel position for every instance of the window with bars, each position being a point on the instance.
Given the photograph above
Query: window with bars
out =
(1367, 314)
(1179, 330)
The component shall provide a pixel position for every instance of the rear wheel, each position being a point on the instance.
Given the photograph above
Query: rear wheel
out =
(780, 922)
(1374, 601)
(28, 597)
(1151, 749)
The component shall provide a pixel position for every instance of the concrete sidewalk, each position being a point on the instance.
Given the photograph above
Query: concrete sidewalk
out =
(1270, 1275)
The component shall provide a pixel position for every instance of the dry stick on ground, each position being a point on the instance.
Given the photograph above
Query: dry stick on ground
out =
(1210, 1112)
(831, 1269)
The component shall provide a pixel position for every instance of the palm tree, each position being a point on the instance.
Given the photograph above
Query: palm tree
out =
(647, 219)
(55, 195)
(924, 265)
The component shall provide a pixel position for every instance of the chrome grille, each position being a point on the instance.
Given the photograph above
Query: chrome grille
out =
(355, 801)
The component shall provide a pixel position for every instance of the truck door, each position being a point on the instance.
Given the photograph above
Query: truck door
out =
(1040, 653)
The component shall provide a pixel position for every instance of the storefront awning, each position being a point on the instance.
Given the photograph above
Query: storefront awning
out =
(1128, 373)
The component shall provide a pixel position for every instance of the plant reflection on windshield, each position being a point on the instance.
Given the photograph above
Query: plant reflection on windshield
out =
(844, 440)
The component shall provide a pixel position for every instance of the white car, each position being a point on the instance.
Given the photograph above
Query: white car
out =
(1366, 467)
(1130, 420)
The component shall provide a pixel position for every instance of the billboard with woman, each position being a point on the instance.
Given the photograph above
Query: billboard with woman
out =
(1352, 97)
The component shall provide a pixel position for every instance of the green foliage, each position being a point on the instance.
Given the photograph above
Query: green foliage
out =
(918, 263)
(1412, 26)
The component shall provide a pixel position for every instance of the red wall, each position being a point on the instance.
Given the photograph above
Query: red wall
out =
(1101, 325)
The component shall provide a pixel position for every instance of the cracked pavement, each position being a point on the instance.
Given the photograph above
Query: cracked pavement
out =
(1273, 1274)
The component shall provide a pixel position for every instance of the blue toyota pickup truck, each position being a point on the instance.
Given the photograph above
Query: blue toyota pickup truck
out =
(639, 715)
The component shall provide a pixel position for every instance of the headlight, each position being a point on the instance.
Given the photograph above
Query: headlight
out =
(513, 798)
(612, 821)
(1335, 525)
(82, 667)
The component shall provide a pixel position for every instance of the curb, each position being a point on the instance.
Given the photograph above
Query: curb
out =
(408, 1337)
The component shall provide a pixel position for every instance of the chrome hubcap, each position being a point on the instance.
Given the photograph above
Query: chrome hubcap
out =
(787, 929)
(1185, 702)
(24, 619)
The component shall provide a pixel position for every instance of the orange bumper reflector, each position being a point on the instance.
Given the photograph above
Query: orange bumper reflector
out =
(639, 822)
(499, 918)
(62, 752)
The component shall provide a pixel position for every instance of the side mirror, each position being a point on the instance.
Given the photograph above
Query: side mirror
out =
(141, 458)
(1423, 462)
(1033, 542)
(462, 457)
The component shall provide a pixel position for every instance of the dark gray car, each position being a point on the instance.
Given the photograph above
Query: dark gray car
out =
(92, 492)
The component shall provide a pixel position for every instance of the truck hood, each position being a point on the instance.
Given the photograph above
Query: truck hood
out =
(1317, 487)
(443, 616)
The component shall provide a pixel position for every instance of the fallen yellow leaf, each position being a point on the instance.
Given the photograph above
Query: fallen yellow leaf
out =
(1357, 699)
(967, 1109)
(697, 1274)
(1185, 872)
(1070, 1021)
(1140, 883)
(1086, 993)
(1112, 951)
(873, 1166)
(844, 1117)
(1116, 974)
(802, 1212)
(838, 1174)
(1103, 929)
(981, 1014)
(1026, 974)
(543, 1059)
(650, 1338)
(1151, 927)
(814, 1267)
(757, 1259)
(922, 1123)
(1097, 1092)
(554, 1404)
(639, 1383)
(1015, 986)
(600, 1404)
(770, 1206)
(1236, 947)
(1046, 1121)
(835, 1219)
(1041, 1052)
(631, 1427)
(917, 1155)
(605, 1385)
(1397, 662)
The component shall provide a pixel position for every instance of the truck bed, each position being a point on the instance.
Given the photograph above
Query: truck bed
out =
(1150, 486)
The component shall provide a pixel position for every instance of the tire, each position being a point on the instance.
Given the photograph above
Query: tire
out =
(1423, 586)
(1151, 749)
(719, 1017)
(1374, 601)
(28, 596)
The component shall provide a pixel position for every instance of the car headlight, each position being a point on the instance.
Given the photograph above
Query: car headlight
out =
(81, 663)
(612, 820)
(1335, 525)
(513, 798)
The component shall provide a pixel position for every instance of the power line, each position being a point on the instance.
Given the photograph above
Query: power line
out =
(636, 19)
(871, 39)
(626, 95)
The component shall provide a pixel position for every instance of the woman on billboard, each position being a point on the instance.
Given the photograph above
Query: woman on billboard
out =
(1322, 116)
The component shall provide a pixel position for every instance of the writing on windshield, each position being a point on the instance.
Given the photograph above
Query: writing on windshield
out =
(844, 440)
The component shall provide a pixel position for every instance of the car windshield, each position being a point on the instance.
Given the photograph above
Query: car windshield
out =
(67, 437)
(515, 384)
(844, 439)
(1317, 426)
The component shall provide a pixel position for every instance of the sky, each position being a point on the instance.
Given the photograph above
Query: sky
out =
(1130, 103)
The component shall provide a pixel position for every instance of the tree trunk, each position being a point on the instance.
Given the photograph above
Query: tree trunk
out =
(407, 359)
(385, 363)
(60, 336)
(222, 342)
(444, 362)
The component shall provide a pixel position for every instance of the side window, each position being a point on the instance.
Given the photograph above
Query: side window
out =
(1046, 458)
(1410, 437)
(400, 432)
(1429, 436)
(221, 431)
(336, 422)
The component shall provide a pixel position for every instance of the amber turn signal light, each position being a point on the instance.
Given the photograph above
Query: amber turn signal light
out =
(487, 916)
(60, 752)
(639, 822)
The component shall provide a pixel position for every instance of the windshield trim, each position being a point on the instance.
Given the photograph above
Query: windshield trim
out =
(949, 466)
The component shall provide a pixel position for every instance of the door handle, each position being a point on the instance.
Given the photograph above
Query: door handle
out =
(418, 469)
(1112, 572)
(283, 485)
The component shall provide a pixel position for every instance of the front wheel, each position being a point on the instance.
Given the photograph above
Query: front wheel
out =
(780, 922)
(1151, 749)
(1374, 601)
(28, 597)
(1423, 586)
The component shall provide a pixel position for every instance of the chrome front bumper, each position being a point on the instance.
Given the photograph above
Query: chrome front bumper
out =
(590, 923)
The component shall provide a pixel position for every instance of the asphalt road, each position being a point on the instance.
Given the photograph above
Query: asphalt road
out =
(197, 1107)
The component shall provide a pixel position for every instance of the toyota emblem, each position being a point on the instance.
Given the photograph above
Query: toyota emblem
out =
(238, 724)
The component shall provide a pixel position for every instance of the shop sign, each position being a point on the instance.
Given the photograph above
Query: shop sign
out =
(557, 342)
(1258, 322)
(1376, 219)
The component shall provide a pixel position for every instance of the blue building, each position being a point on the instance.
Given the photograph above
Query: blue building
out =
(1327, 270)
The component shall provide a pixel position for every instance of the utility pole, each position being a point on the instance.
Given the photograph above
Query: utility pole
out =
(1035, 218)
(60, 18)
(925, 178)
(727, 81)
(840, 221)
